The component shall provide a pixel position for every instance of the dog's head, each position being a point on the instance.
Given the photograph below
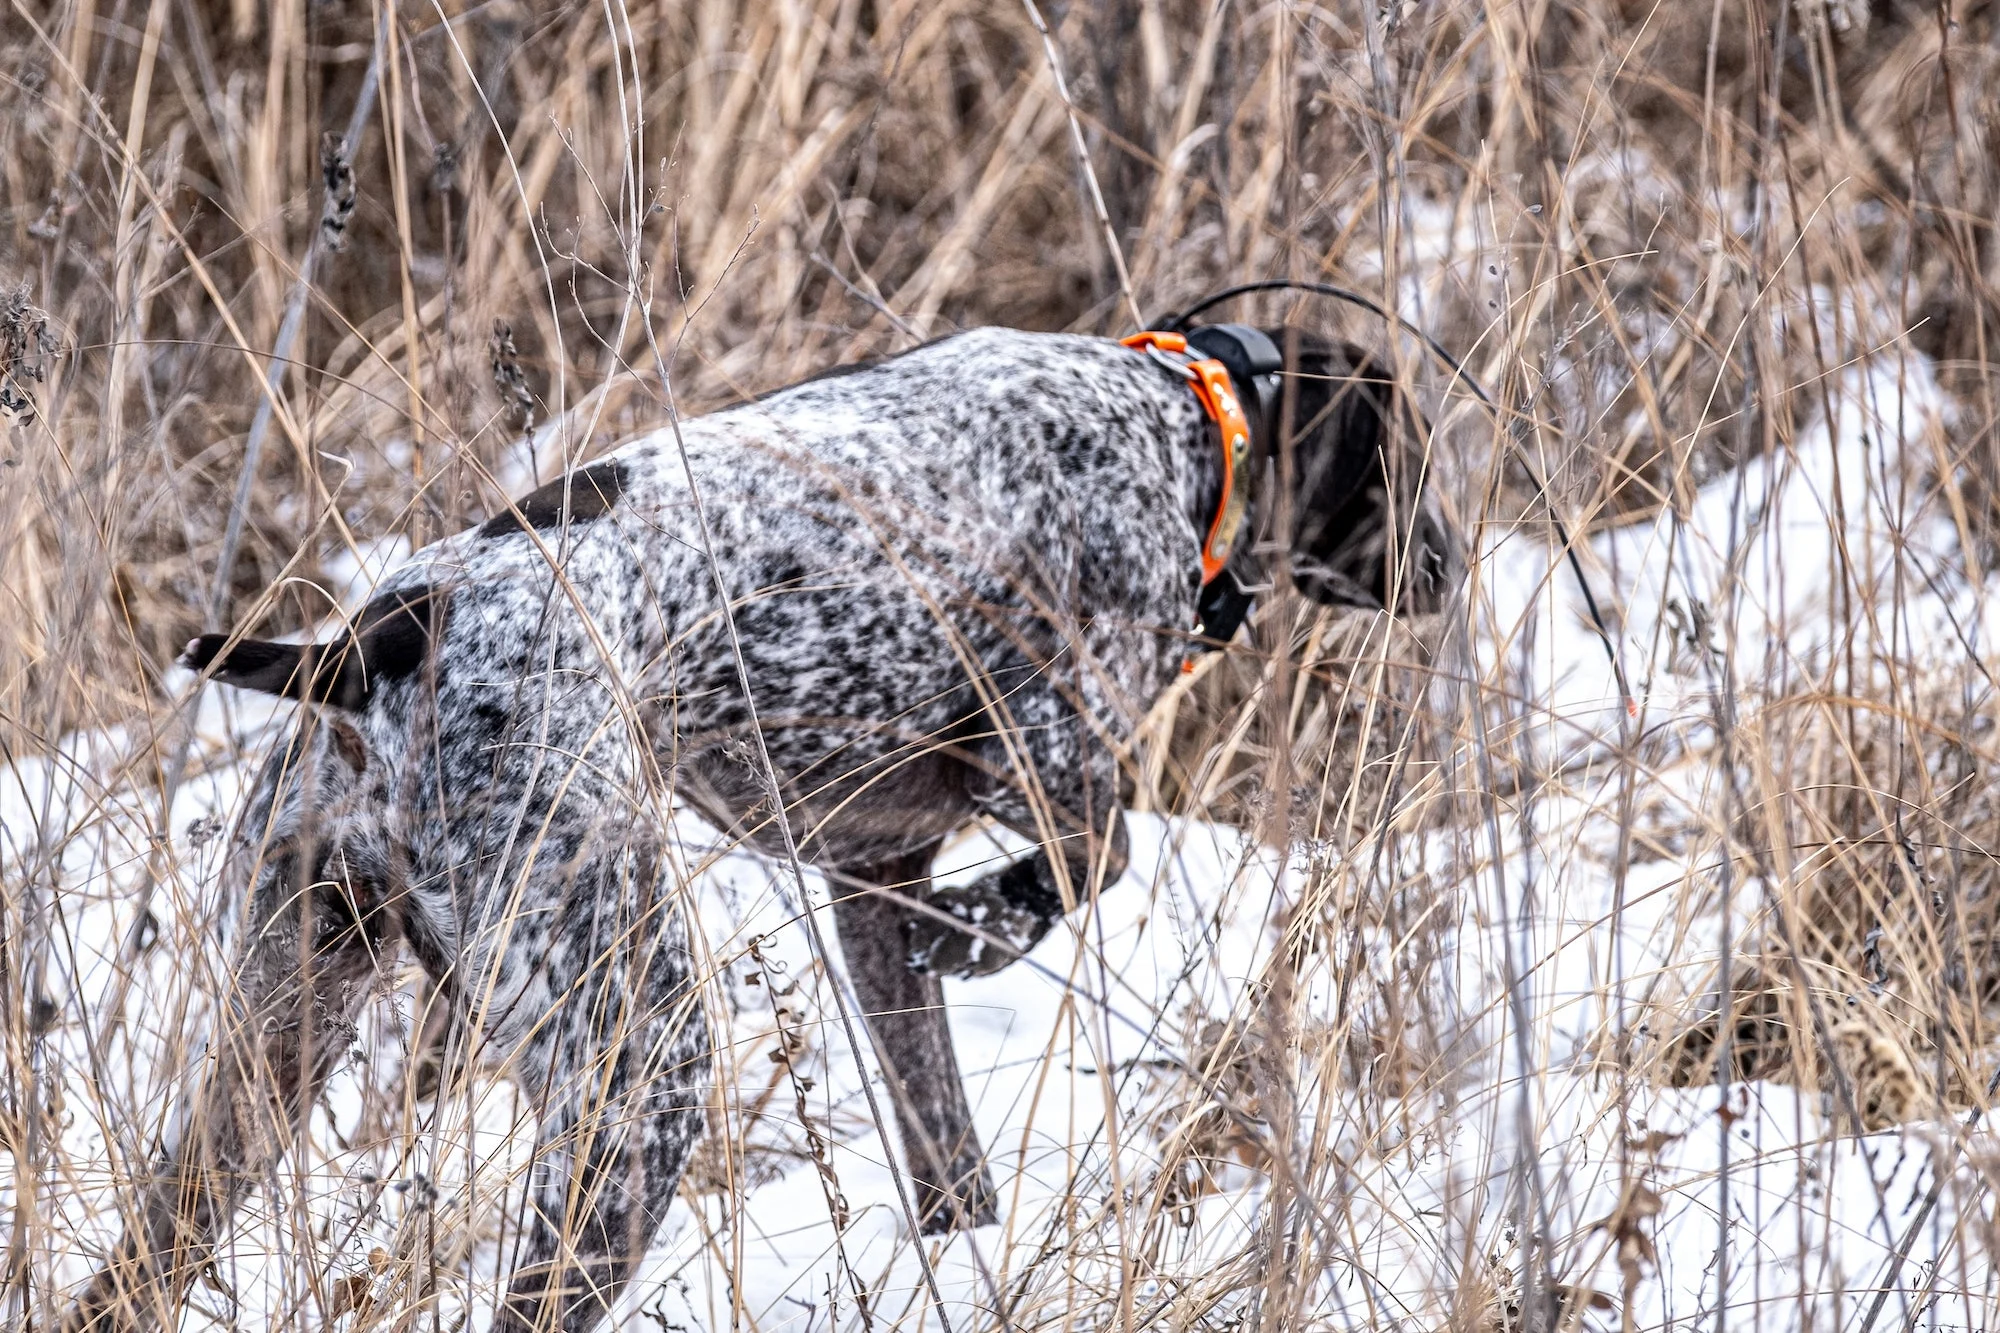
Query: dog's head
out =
(1365, 529)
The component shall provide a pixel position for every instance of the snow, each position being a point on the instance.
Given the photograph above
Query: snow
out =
(1074, 1059)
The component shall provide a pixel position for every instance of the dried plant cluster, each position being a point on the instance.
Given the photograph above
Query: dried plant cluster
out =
(286, 289)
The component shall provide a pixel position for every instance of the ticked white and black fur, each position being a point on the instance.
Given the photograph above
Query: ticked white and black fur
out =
(958, 578)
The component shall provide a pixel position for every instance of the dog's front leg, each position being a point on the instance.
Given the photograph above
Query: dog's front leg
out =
(904, 1012)
(1054, 777)
(301, 973)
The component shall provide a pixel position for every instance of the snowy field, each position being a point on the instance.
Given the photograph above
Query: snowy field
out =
(1340, 1206)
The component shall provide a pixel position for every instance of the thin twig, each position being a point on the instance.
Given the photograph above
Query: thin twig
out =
(288, 333)
(875, 302)
(1083, 163)
(1939, 1180)
(808, 911)
(324, 237)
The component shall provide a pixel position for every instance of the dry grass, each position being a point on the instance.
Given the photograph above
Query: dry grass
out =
(1669, 237)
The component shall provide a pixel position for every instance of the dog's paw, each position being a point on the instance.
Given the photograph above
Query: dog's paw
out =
(1000, 932)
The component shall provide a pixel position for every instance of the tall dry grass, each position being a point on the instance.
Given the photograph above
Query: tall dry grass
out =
(1663, 234)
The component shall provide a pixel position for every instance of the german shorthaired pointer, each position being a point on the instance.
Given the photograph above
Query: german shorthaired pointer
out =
(958, 578)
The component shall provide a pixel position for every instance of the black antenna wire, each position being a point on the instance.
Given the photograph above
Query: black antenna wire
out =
(1178, 324)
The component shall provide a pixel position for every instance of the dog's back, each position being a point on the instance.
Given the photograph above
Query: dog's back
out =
(900, 544)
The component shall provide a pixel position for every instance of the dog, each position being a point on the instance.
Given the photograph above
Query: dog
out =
(955, 580)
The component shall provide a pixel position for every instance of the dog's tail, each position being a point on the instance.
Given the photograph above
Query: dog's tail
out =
(325, 673)
(390, 640)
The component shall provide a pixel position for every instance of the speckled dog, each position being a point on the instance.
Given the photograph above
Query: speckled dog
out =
(958, 579)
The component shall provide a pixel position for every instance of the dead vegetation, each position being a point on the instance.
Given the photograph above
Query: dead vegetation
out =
(242, 357)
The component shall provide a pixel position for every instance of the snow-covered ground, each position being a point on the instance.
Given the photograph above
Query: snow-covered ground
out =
(1073, 1060)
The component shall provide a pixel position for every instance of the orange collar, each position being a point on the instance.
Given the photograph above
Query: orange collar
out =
(1210, 382)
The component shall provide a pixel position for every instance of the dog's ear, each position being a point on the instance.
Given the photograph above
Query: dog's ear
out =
(1365, 533)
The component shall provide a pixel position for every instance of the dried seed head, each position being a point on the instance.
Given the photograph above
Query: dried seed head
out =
(338, 172)
(444, 165)
(49, 225)
(25, 348)
(508, 379)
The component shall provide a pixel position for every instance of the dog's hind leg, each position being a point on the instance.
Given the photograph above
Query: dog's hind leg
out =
(904, 1012)
(615, 1056)
(308, 960)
